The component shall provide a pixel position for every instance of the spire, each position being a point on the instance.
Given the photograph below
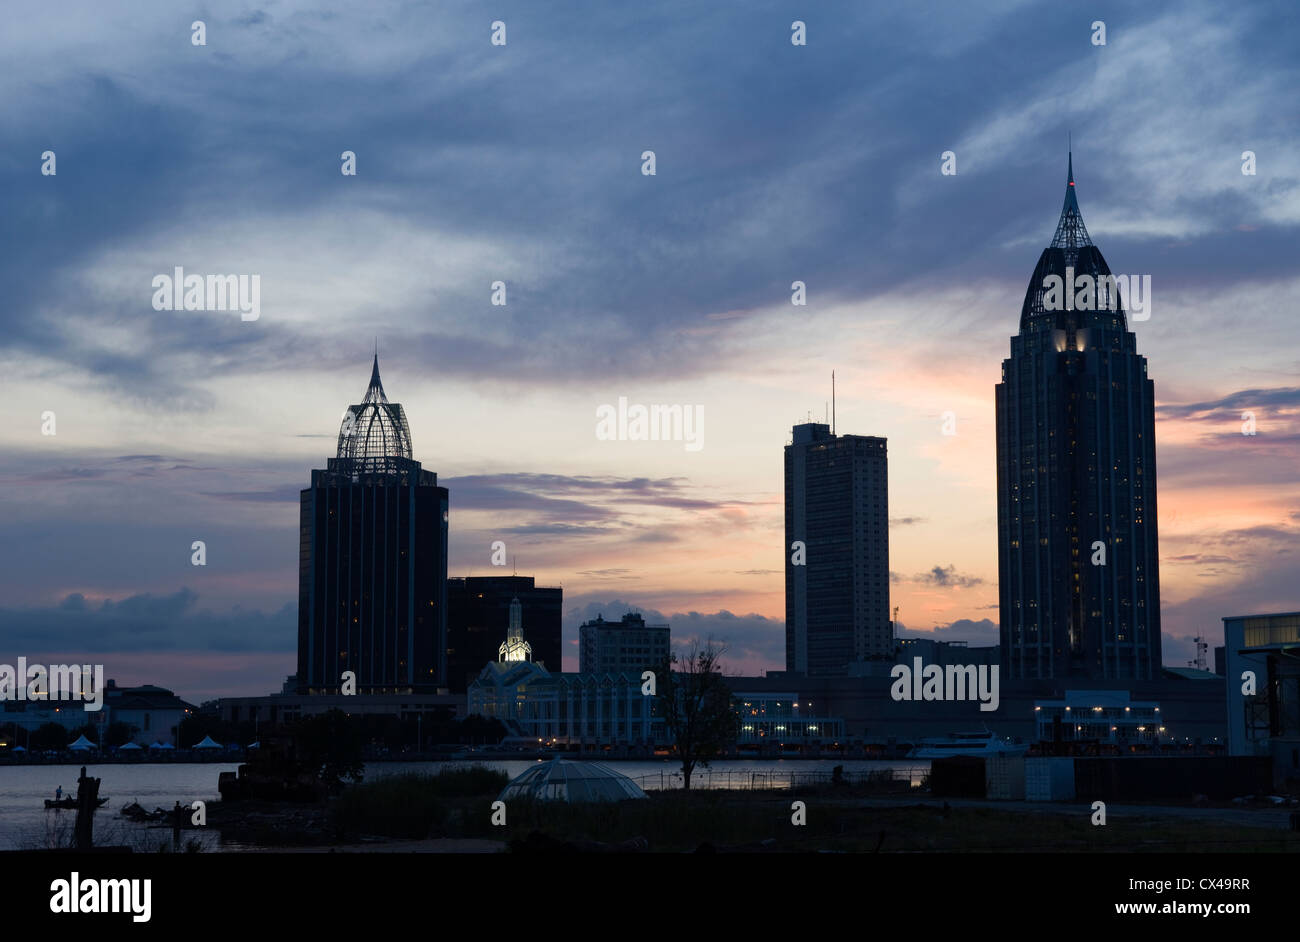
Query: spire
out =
(1071, 233)
(515, 647)
(374, 433)
(375, 392)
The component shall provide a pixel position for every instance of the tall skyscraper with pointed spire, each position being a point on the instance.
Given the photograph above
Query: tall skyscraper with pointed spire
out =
(1079, 581)
(372, 579)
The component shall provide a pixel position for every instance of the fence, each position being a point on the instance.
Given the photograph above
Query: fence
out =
(747, 779)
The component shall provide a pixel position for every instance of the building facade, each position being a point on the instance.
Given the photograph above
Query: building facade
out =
(1105, 717)
(563, 710)
(1079, 586)
(626, 646)
(373, 561)
(478, 612)
(1263, 688)
(776, 718)
(837, 551)
(154, 713)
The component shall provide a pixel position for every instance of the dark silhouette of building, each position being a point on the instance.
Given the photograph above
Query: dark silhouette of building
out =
(372, 583)
(837, 583)
(626, 646)
(1076, 478)
(478, 617)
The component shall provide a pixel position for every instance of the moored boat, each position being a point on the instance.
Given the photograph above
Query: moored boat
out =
(983, 743)
(70, 803)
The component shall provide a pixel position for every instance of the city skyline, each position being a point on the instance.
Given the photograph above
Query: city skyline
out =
(176, 426)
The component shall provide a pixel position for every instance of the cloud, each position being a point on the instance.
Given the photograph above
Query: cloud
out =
(147, 623)
(982, 632)
(947, 577)
(1228, 408)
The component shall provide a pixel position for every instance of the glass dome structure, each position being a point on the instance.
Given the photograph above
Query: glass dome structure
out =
(374, 437)
(567, 780)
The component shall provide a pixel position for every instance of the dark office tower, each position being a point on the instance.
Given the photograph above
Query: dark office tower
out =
(837, 506)
(1076, 477)
(478, 619)
(372, 577)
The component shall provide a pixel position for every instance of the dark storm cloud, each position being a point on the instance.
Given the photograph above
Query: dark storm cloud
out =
(774, 162)
(145, 623)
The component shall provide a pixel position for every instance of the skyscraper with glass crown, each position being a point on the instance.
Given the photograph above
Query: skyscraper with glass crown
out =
(1079, 581)
(372, 579)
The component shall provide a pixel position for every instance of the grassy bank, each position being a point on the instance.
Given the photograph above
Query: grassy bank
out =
(413, 805)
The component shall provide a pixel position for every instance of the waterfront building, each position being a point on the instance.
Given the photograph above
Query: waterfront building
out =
(564, 710)
(1078, 572)
(372, 598)
(155, 713)
(280, 709)
(1107, 717)
(779, 719)
(837, 552)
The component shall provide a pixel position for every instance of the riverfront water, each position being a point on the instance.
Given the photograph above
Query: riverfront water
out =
(25, 824)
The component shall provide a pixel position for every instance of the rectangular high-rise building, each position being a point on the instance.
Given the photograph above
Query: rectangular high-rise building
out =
(1078, 568)
(372, 580)
(836, 551)
(627, 646)
(478, 614)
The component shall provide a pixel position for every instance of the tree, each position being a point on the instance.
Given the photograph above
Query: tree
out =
(49, 736)
(88, 730)
(119, 733)
(695, 703)
(476, 728)
(197, 725)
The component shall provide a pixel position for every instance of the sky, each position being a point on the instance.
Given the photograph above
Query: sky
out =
(523, 163)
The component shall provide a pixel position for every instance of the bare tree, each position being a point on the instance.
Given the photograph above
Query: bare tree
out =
(697, 706)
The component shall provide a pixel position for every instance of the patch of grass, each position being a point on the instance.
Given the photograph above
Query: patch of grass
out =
(413, 805)
(393, 806)
(469, 782)
(678, 821)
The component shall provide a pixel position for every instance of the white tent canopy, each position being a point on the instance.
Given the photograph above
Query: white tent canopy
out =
(82, 743)
(208, 743)
(129, 745)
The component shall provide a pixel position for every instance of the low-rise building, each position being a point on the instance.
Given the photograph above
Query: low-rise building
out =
(155, 712)
(1262, 655)
(781, 719)
(1106, 717)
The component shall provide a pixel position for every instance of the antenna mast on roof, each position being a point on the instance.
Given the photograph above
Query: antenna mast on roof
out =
(832, 402)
